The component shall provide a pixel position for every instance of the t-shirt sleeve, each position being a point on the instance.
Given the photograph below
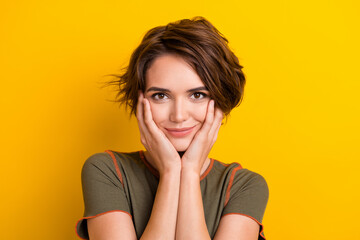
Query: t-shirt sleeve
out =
(249, 195)
(103, 191)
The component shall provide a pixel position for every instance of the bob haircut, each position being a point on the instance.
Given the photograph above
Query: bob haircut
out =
(202, 46)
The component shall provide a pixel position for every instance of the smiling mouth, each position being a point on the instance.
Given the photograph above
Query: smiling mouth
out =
(179, 132)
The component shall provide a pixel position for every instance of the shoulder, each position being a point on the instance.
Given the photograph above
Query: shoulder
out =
(97, 161)
(247, 193)
(248, 177)
(237, 173)
(242, 181)
(225, 169)
(107, 164)
(249, 183)
(109, 159)
(98, 167)
(113, 164)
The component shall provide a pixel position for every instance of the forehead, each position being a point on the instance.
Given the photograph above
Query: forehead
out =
(172, 72)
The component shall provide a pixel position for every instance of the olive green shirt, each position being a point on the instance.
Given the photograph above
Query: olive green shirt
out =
(114, 181)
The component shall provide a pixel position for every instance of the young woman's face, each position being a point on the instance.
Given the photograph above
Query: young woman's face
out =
(178, 99)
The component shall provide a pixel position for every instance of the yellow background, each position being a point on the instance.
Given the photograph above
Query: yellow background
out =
(298, 125)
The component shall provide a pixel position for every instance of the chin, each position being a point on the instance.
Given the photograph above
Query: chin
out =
(181, 149)
(181, 145)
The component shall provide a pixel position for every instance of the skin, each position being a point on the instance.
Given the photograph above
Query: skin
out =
(176, 98)
(178, 209)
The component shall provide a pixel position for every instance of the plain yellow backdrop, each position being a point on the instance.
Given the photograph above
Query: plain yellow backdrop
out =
(298, 125)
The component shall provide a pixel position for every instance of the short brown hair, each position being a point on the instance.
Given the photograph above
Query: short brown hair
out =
(202, 46)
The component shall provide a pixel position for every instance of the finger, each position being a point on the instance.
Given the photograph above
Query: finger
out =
(209, 117)
(215, 135)
(140, 118)
(216, 124)
(148, 119)
(219, 116)
(139, 106)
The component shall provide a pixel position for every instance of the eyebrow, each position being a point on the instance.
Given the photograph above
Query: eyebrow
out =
(157, 89)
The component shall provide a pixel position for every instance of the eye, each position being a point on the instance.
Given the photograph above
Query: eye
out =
(159, 96)
(198, 95)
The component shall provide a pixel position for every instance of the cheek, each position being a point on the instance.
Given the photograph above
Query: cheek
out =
(200, 113)
(159, 113)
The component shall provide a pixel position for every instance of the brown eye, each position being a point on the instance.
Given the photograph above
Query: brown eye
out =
(159, 96)
(198, 95)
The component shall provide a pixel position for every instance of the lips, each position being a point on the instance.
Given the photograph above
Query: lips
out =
(179, 132)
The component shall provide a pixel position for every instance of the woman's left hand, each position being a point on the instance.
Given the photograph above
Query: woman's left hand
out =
(199, 149)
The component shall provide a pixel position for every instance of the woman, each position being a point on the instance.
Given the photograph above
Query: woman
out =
(181, 81)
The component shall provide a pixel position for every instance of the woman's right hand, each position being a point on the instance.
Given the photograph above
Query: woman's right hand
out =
(160, 150)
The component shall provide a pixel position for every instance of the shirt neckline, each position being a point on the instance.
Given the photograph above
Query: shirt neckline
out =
(156, 173)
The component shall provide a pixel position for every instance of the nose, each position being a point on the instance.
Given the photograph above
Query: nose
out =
(179, 111)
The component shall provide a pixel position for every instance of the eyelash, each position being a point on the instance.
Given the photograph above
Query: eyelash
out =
(204, 95)
(156, 95)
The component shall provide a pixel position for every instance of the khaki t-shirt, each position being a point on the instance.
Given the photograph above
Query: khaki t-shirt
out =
(114, 181)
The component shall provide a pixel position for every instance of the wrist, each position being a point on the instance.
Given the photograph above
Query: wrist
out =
(190, 171)
(172, 172)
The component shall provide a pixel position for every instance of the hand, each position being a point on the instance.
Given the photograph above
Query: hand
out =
(162, 153)
(199, 149)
